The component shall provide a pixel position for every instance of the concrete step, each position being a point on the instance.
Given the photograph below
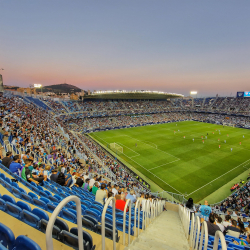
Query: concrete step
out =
(165, 232)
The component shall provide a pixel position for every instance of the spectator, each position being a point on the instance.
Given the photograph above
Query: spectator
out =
(114, 190)
(110, 194)
(7, 160)
(233, 230)
(15, 165)
(190, 206)
(61, 179)
(79, 181)
(120, 204)
(131, 197)
(54, 175)
(86, 185)
(118, 196)
(205, 211)
(95, 188)
(227, 221)
(218, 222)
(101, 194)
(26, 174)
(211, 226)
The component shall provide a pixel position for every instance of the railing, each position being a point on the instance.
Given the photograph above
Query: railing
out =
(111, 199)
(49, 241)
(197, 233)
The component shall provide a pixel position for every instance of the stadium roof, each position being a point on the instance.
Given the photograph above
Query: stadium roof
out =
(135, 94)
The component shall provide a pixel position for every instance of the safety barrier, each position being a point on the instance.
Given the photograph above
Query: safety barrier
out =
(197, 232)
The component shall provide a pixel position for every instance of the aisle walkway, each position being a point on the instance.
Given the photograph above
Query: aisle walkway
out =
(166, 232)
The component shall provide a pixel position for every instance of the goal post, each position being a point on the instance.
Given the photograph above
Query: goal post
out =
(228, 124)
(116, 148)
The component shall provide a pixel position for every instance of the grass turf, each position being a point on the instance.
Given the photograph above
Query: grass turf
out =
(183, 165)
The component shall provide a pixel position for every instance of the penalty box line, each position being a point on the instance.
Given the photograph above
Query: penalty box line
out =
(244, 163)
(163, 164)
(148, 170)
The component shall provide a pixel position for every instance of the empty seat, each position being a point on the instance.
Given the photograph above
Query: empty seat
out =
(108, 231)
(2, 204)
(55, 231)
(26, 198)
(68, 215)
(25, 243)
(14, 184)
(98, 208)
(40, 213)
(72, 240)
(119, 224)
(46, 200)
(86, 237)
(13, 210)
(47, 192)
(16, 192)
(51, 207)
(8, 186)
(40, 203)
(22, 190)
(8, 198)
(7, 237)
(23, 205)
(32, 195)
(30, 219)
(62, 225)
(53, 199)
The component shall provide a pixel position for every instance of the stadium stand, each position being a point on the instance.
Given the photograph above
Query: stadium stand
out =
(57, 148)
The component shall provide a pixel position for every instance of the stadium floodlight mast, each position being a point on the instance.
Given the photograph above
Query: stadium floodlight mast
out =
(38, 86)
(194, 93)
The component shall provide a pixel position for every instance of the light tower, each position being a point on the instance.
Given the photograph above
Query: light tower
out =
(1, 82)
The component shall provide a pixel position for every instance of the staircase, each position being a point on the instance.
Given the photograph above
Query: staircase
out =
(165, 232)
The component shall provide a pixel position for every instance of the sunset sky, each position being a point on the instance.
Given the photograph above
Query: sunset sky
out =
(173, 46)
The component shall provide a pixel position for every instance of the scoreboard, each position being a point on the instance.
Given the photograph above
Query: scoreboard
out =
(243, 94)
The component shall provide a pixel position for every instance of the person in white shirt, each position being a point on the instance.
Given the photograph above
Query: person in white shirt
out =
(114, 190)
(227, 221)
(92, 182)
(218, 222)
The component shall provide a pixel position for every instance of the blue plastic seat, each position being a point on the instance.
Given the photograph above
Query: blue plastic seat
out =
(22, 190)
(46, 200)
(2, 205)
(86, 236)
(58, 197)
(23, 205)
(13, 210)
(2, 175)
(3, 247)
(8, 198)
(25, 243)
(33, 184)
(27, 198)
(30, 219)
(119, 225)
(108, 231)
(71, 240)
(8, 186)
(51, 207)
(8, 180)
(68, 215)
(40, 213)
(40, 203)
(97, 207)
(62, 225)
(32, 195)
(86, 203)
(14, 184)
(55, 231)
(16, 192)
(47, 192)
(92, 214)
(7, 238)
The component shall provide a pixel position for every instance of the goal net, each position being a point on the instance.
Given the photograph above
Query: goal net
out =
(116, 148)
(228, 124)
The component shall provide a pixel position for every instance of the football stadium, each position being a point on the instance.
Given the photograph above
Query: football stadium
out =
(148, 147)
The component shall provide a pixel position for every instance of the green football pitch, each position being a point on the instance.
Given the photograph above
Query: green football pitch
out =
(174, 156)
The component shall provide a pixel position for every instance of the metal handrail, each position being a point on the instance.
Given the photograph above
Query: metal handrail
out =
(204, 232)
(111, 199)
(49, 241)
(129, 222)
(137, 206)
(219, 235)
